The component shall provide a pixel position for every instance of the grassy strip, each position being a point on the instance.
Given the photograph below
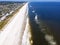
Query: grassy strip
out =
(3, 22)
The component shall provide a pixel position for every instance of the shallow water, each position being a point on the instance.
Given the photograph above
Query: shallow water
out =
(48, 16)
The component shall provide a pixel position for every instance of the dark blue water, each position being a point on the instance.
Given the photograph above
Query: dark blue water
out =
(49, 13)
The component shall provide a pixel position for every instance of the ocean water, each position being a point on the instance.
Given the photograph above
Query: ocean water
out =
(48, 14)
